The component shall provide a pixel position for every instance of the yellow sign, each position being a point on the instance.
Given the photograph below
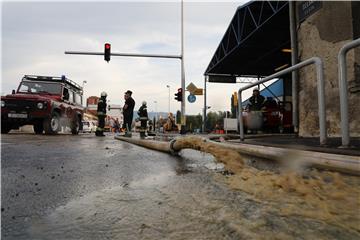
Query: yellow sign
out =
(191, 88)
(198, 91)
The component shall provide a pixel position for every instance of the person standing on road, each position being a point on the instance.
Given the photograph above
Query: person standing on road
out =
(143, 116)
(117, 125)
(128, 112)
(101, 113)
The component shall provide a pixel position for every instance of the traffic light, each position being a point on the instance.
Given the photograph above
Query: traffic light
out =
(107, 52)
(235, 99)
(178, 95)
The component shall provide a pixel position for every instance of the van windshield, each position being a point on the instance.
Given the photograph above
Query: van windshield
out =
(40, 87)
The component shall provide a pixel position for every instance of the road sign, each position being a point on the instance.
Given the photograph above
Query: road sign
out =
(198, 91)
(191, 98)
(222, 78)
(307, 8)
(191, 88)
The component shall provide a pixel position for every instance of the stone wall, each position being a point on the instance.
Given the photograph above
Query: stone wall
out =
(322, 35)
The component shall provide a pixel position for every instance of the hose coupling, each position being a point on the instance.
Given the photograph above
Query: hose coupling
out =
(172, 150)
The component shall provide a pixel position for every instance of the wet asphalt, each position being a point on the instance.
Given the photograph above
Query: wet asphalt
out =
(87, 187)
(41, 173)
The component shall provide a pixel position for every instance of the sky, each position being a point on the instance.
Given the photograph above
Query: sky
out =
(34, 36)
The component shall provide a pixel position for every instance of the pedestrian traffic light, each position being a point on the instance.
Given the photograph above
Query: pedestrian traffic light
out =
(107, 52)
(178, 95)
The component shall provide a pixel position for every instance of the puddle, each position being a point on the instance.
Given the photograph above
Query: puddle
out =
(190, 206)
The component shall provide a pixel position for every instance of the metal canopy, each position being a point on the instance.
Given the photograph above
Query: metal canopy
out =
(253, 42)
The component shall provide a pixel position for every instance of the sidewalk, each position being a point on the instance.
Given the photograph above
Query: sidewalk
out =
(300, 143)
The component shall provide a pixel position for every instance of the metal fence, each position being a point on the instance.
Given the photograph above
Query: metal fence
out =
(320, 89)
(343, 91)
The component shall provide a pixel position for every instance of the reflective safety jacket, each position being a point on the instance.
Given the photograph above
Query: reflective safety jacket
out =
(143, 115)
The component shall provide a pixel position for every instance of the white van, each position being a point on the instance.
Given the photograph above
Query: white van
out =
(86, 127)
(89, 126)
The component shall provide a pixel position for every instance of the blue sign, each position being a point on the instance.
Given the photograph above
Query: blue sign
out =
(191, 98)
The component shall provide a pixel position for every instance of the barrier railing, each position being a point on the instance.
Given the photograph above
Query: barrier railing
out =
(320, 89)
(343, 91)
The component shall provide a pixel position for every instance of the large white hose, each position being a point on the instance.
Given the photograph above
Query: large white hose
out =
(341, 163)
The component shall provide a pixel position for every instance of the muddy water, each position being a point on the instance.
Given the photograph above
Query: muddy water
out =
(324, 196)
(200, 200)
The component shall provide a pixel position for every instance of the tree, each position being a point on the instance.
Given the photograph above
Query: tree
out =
(215, 119)
(193, 122)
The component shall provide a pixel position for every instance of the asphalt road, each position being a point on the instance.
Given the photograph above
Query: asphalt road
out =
(87, 187)
(41, 173)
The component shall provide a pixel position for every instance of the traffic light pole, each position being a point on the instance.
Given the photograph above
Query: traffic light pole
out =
(183, 119)
(181, 57)
(125, 54)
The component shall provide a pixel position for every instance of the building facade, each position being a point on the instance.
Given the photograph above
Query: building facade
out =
(323, 34)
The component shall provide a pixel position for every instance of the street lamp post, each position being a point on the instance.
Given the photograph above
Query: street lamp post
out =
(83, 84)
(156, 114)
(168, 86)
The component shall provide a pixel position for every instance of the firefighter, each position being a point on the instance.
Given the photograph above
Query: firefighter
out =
(101, 113)
(143, 116)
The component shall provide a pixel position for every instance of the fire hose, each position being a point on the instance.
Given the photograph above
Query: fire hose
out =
(337, 162)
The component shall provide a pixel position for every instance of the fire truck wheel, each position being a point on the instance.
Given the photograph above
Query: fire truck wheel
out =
(52, 124)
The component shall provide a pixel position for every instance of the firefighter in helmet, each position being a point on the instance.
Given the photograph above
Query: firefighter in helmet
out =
(143, 116)
(101, 113)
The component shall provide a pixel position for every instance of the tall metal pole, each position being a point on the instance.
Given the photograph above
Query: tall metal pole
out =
(156, 113)
(183, 120)
(204, 114)
(343, 88)
(82, 100)
(168, 86)
(294, 61)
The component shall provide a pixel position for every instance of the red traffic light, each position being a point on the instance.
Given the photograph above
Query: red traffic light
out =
(107, 52)
(178, 95)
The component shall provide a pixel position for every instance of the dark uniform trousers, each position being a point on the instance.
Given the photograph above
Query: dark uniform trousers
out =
(143, 116)
(101, 113)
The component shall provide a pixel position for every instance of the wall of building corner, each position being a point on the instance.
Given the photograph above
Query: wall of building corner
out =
(322, 35)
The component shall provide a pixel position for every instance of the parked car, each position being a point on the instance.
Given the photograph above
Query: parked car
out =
(88, 126)
(47, 103)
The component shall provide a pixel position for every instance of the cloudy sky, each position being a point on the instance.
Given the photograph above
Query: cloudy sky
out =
(36, 34)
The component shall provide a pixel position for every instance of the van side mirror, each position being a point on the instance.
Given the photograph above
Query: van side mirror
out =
(13, 91)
